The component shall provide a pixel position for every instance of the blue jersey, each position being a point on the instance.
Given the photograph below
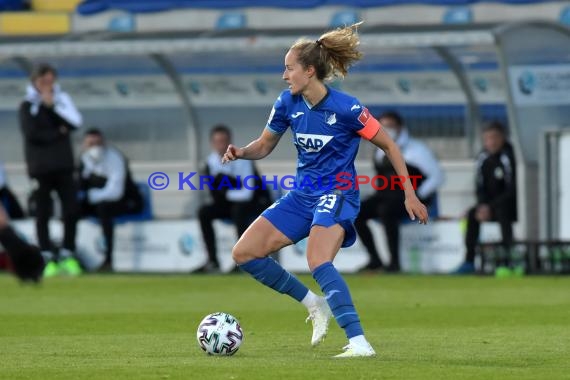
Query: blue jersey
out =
(326, 135)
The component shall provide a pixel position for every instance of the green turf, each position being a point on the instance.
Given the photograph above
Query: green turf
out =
(143, 327)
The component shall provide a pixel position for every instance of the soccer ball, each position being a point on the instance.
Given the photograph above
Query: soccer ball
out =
(219, 334)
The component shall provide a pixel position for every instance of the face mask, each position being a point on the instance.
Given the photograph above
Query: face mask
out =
(95, 152)
(392, 133)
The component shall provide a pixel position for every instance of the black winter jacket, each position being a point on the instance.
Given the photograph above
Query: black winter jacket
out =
(47, 141)
(496, 181)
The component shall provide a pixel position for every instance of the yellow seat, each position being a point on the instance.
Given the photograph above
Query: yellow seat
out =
(34, 23)
(55, 5)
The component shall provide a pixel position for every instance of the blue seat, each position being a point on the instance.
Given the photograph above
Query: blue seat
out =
(146, 213)
(565, 16)
(344, 18)
(458, 15)
(122, 23)
(231, 20)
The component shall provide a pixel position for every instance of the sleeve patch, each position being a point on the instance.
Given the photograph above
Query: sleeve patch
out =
(364, 116)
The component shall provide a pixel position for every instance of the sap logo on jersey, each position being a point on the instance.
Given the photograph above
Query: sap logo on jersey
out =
(312, 143)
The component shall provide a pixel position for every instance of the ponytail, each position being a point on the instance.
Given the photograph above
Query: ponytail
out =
(332, 54)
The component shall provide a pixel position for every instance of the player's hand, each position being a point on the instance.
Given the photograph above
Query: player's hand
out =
(232, 154)
(47, 98)
(415, 208)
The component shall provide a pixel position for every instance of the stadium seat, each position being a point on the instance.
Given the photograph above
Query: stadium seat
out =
(54, 5)
(146, 213)
(344, 18)
(34, 23)
(122, 23)
(231, 20)
(565, 15)
(458, 15)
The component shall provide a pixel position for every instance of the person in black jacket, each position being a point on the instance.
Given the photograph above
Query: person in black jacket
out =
(495, 190)
(47, 118)
(230, 200)
(388, 204)
(108, 186)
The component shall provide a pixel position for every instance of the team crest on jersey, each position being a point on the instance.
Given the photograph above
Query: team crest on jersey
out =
(331, 119)
(312, 143)
(364, 116)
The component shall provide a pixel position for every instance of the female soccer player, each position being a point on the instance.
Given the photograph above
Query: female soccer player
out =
(327, 126)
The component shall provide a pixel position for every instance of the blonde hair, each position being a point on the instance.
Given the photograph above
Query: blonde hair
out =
(332, 54)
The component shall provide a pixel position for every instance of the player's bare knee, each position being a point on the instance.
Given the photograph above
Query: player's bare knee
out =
(238, 254)
(242, 253)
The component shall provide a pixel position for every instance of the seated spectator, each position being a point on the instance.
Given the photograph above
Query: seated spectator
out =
(388, 204)
(108, 187)
(240, 204)
(8, 199)
(496, 192)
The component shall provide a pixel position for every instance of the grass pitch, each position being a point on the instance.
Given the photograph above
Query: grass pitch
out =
(144, 327)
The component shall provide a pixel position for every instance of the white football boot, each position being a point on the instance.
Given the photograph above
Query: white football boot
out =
(352, 350)
(320, 316)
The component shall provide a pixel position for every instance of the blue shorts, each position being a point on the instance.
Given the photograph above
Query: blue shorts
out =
(296, 212)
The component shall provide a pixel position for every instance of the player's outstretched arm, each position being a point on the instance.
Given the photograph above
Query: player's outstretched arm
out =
(255, 150)
(414, 207)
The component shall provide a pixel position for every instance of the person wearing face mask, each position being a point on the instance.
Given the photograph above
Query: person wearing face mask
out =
(230, 200)
(48, 116)
(108, 188)
(495, 190)
(387, 204)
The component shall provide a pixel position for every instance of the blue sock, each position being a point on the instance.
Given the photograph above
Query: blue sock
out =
(338, 296)
(270, 273)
